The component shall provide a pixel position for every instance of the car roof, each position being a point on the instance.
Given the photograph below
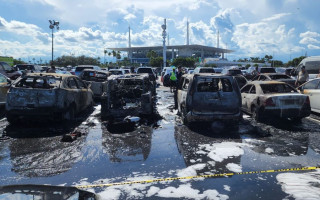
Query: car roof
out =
(206, 75)
(266, 82)
(51, 74)
(274, 74)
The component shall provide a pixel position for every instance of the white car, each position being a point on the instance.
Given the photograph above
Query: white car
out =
(312, 89)
(269, 99)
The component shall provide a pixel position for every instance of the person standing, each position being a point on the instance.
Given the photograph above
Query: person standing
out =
(173, 80)
(303, 76)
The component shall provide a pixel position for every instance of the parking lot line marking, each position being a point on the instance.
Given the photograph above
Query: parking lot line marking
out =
(199, 176)
(313, 119)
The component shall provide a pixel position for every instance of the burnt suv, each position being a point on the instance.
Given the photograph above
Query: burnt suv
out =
(209, 97)
(130, 95)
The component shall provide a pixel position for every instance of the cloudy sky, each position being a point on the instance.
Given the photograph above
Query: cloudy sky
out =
(283, 28)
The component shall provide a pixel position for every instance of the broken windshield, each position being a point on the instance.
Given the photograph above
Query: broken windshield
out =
(277, 88)
(45, 82)
(214, 85)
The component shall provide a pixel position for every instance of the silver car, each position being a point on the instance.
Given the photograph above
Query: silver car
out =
(267, 99)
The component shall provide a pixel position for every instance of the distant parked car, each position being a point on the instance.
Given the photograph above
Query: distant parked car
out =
(165, 76)
(261, 70)
(28, 67)
(282, 70)
(80, 68)
(96, 79)
(203, 70)
(232, 72)
(147, 70)
(47, 96)
(312, 89)
(269, 99)
(209, 97)
(275, 77)
(117, 72)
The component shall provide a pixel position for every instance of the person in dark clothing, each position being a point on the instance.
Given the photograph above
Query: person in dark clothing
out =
(179, 75)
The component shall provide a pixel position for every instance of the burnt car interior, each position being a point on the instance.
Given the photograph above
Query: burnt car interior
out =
(214, 85)
(45, 82)
(277, 88)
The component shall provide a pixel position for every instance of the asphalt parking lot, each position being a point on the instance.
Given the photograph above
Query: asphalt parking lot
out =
(162, 149)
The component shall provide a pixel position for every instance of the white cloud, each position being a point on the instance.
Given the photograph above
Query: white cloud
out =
(310, 39)
(276, 17)
(309, 34)
(311, 46)
(264, 37)
(129, 17)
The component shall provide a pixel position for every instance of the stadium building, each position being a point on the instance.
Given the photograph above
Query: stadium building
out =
(139, 54)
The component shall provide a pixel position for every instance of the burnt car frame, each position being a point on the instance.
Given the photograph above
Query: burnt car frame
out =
(209, 97)
(96, 79)
(129, 95)
(47, 96)
(274, 99)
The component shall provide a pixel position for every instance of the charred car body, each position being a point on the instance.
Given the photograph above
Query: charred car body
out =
(209, 97)
(96, 79)
(129, 95)
(53, 96)
(267, 99)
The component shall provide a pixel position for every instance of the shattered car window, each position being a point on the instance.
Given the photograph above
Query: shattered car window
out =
(38, 82)
(214, 85)
(206, 70)
(116, 72)
(3, 79)
(277, 88)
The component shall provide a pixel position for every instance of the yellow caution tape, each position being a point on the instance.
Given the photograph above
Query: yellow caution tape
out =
(199, 176)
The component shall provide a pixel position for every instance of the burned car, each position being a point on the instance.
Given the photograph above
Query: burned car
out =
(96, 79)
(53, 96)
(209, 97)
(129, 95)
(268, 99)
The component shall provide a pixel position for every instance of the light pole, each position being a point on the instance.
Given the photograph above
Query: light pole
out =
(53, 24)
(164, 34)
(104, 59)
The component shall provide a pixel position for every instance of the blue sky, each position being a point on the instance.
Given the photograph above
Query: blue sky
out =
(283, 28)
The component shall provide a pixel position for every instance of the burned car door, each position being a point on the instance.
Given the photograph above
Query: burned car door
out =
(251, 96)
(182, 92)
(85, 96)
(244, 95)
(73, 94)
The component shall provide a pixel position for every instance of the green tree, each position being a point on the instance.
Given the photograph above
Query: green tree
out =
(151, 54)
(247, 66)
(157, 62)
(184, 62)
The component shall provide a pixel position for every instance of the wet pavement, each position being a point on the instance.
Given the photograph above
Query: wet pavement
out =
(99, 154)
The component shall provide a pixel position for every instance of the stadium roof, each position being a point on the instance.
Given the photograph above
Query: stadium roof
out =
(194, 47)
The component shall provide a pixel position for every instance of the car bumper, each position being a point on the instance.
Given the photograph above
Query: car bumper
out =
(37, 113)
(288, 113)
(193, 117)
